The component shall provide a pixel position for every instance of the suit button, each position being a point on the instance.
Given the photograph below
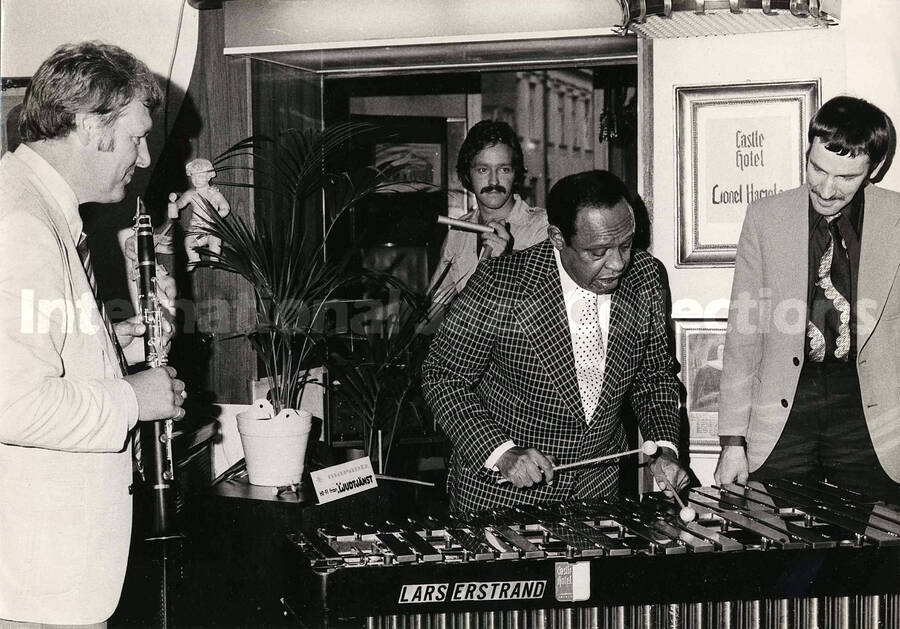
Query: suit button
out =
(784, 403)
(796, 362)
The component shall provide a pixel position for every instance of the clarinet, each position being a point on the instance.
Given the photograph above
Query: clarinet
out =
(156, 437)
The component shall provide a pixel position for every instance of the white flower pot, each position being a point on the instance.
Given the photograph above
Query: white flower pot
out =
(274, 447)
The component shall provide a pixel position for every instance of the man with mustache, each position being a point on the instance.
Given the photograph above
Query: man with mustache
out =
(537, 355)
(809, 388)
(491, 166)
(67, 407)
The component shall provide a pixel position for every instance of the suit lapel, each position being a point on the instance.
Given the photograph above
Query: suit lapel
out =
(790, 239)
(624, 306)
(879, 258)
(87, 314)
(542, 315)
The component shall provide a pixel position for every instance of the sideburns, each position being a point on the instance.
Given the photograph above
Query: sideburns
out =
(107, 142)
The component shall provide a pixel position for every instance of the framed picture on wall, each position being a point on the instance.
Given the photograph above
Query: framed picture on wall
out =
(700, 346)
(417, 165)
(397, 229)
(734, 145)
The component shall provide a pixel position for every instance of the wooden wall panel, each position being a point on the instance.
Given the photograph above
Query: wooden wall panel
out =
(229, 98)
(286, 98)
(215, 115)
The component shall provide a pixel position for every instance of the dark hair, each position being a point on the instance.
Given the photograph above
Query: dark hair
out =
(592, 188)
(482, 135)
(88, 77)
(852, 126)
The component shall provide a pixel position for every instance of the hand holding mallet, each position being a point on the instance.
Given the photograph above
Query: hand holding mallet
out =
(648, 447)
(687, 514)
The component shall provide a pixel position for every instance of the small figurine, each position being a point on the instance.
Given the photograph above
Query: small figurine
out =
(200, 171)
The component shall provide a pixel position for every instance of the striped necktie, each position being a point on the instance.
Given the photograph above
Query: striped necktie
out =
(84, 252)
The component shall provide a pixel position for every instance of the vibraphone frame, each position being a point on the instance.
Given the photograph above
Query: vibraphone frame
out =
(825, 558)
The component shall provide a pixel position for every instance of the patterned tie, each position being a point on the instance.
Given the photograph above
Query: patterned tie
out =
(84, 252)
(587, 341)
(835, 280)
(841, 280)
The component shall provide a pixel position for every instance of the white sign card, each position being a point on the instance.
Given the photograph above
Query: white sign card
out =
(344, 479)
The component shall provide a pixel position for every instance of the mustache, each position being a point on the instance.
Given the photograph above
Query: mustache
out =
(497, 188)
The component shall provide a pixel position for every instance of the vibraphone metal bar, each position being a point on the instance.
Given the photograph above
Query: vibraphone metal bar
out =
(775, 555)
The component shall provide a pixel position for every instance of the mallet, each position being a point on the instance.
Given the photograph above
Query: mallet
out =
(648, 447)
(464, 225)
(687, 514)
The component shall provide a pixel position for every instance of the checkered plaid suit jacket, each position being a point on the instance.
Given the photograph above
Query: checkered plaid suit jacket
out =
(502, 367)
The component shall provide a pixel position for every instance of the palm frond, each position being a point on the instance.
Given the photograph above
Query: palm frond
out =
(275, 251)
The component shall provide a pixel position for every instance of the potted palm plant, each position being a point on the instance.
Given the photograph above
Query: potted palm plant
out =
(281, 253)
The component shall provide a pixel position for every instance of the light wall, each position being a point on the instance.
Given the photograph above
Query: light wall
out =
(873, 60)
(31, 29)
(861, 57)
(761, 57)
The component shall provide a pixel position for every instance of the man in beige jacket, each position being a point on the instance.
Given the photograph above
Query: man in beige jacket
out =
(66, 407)
(809, 388)
(491, 166)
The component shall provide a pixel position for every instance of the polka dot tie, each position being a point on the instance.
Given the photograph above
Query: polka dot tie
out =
(587, 342)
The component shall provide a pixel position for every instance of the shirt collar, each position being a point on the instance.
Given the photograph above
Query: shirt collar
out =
(571, 290)
(516, 215)
(518, 211)
(573, 294)
(569, 287)
(59, 189)
(853, 213)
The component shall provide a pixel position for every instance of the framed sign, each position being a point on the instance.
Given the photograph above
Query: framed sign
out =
(735, 144)
(700, 346)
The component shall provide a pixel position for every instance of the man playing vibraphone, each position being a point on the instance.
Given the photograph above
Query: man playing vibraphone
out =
(536, 356)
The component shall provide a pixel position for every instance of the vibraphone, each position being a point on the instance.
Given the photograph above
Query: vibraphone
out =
(775, 555)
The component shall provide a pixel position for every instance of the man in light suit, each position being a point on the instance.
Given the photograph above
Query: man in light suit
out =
(66, 407)
(536, 356)
(809, 389)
